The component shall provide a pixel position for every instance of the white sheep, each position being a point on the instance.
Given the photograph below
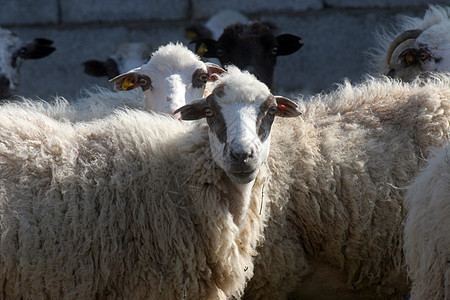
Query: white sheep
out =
(420, 45)
(124, 208)
(127, 56)
(172, 77)
(427, 229)
(13, 51)
(335, 190)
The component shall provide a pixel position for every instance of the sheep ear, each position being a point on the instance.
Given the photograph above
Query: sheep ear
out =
(192, 111)
(37, 48)
(288, 44)
(286, 107)
(205, 47)
(98, 68)
(213, 71)
(131, 80)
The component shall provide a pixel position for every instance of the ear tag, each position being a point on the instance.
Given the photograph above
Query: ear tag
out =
(202, 49)
(282, 107)
(126, 84)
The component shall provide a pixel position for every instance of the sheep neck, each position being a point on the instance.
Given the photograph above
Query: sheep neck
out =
(240, 196)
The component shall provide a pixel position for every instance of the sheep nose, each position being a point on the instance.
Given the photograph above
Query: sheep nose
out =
(240, 156)
(4, 82)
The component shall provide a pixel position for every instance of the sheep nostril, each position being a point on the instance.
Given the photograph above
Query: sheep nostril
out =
(240, 157)
(168, 99)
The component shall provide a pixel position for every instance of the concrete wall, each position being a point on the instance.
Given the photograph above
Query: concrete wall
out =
(336, 34)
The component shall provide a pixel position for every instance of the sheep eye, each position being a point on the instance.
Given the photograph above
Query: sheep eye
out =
(409, 59)
(142, 81)
(275, 50)
(204, 77)
(208, 112)
(219, 52)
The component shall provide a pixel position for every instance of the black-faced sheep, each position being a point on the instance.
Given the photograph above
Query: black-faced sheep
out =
(126, 57)
(419, 46)
(13, 51)
(336, 194)
(253, 47)
(427, 229)
(124, 208)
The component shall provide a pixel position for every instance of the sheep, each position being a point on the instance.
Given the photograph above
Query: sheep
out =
(172, 77)
(420, 46)
(123, 208)
(427, 229)
(13, 51)
(126, 57)
(253, 47)
(335, 190)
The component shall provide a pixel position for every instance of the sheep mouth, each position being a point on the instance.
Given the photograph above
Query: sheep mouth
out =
(241, 176)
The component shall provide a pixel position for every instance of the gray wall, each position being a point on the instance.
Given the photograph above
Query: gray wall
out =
(336, 34)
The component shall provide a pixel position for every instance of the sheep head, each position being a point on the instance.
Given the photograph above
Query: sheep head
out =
(13, 51)
(240, 112)
(417, 52)
(173, 77)
(253, 47)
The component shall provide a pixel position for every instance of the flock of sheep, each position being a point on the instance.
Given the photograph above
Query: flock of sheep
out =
(196, 182)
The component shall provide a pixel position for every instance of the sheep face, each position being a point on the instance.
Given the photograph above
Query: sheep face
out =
(127, 56)
(416, 52)
(240, 112)
(252, 47)
(173, 77)
(12, 53)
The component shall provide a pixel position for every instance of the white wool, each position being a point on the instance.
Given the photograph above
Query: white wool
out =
(171, 58)
(335, 192)
(427, 229)
(241, 84)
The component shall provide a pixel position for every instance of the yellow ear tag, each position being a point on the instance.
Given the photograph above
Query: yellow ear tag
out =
(126, 84)
(202, 49)
(191, 34)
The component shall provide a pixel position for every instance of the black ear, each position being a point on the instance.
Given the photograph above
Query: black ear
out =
(98, 68)
(205, 47)
(35, 49)
(288, 44)
(196, 30)
(192, 111)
